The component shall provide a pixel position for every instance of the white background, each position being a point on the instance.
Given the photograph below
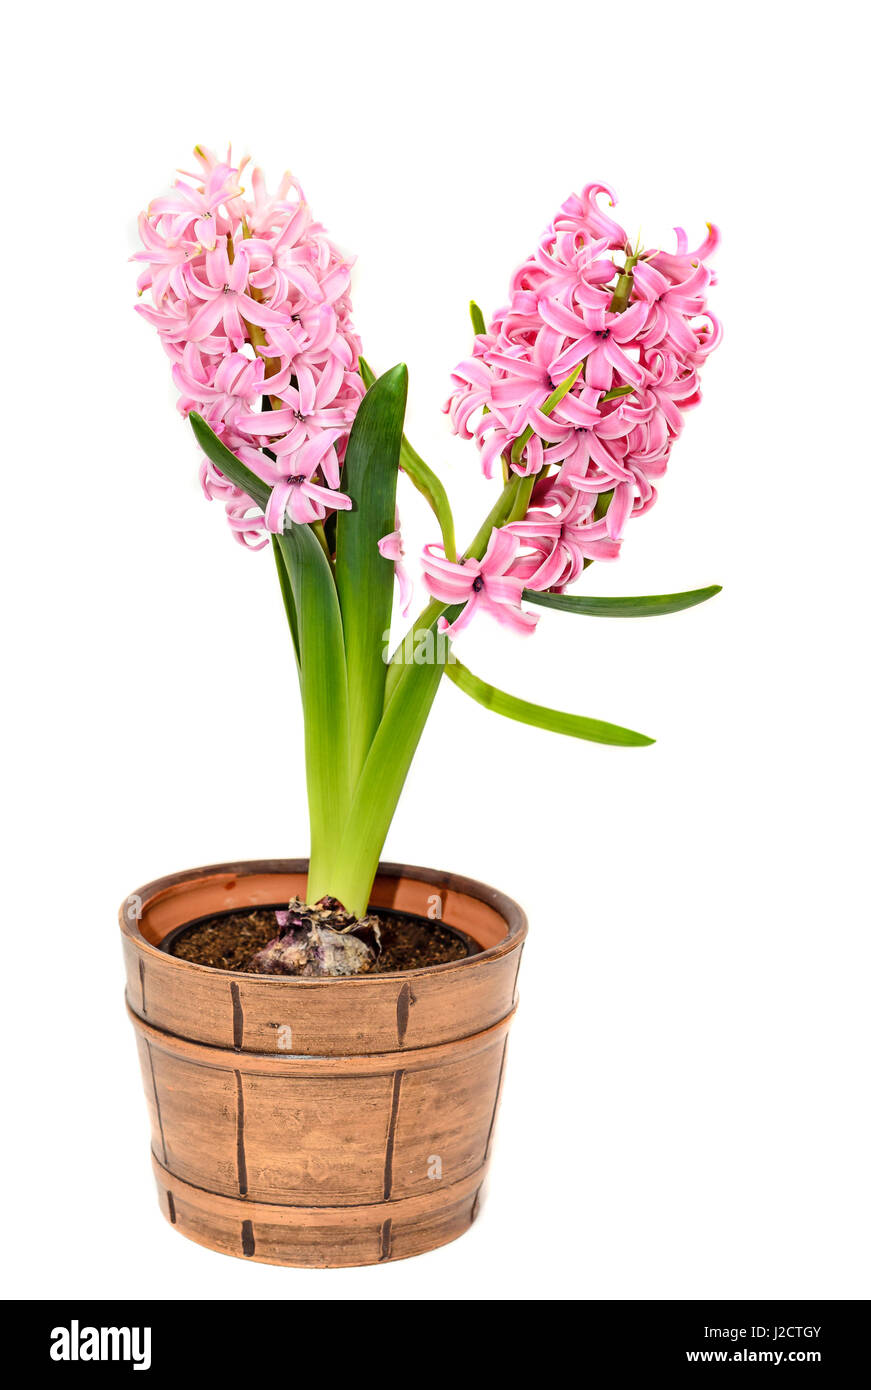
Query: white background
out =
(686, 1107)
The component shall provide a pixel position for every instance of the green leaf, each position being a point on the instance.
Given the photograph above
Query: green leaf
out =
(433, 489)
(367, 373)
(478, 321)
(575, 725)
(649, 606)
(364, 579)
(324, 685)
(383, 777)
(227, 462)
(428, 484)
(287, 596)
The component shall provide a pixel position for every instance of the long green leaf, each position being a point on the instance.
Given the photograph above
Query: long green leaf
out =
(324, 685)
(649, 606)
(430, 486)
(287, 596)
(364, 579)
(575, 725)
(428, 483)
(386, 768)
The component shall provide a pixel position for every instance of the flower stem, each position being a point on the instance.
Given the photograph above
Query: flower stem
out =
(623, 288)
(521, 500)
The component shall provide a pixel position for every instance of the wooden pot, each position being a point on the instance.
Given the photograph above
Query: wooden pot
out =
(321, 1122)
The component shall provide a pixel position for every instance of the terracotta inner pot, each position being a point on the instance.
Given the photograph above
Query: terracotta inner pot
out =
(321, 1122)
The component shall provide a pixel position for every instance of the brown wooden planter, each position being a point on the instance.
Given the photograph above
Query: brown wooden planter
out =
(321, 1122)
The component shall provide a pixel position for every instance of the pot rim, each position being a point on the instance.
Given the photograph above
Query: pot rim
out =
(511, 913)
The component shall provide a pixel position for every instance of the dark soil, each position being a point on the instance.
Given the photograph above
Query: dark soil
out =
(226, 942)
(229, 940)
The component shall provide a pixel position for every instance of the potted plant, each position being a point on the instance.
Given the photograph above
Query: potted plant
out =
(323, 1040)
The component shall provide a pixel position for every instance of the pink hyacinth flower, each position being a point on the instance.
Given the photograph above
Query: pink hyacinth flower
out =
(223, 395)
(196, 208)
(227, 303)
(670, 306)
(295, 496)
(600, 337)
(561, 542)
(481, 585)
(312, 413)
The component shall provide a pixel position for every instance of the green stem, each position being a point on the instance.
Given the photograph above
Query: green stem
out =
(522, 499)
(623, 288)
(497, 516)
(318, 528)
